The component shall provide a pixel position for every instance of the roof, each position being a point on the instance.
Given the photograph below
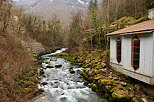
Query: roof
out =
(140, 28)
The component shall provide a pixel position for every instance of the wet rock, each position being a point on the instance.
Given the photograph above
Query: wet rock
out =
(78, 71)
(44, 83)
(58, 66)
(47, 62)
(63, 99)
(49, 66)
(72, 71)
(41, 71)
(40, 90)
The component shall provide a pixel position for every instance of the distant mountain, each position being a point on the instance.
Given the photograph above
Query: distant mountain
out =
(45, 8)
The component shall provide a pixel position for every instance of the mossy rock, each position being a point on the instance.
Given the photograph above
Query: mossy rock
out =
(85, 83)
(41, 71)
(25, 82)
(78, 71)
(34, 52)
(72, 71)
(49, 66)
(94, 87)
(70, 67)
(81, 76)
(58, 66)
(28, 90)
(33, 72)
(53, 59)
(80, 64)
(108, 82)
(87, 69)
(121, 96)
(39, 91)
(84, 74)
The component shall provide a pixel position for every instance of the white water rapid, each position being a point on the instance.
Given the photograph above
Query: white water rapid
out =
(60, 85)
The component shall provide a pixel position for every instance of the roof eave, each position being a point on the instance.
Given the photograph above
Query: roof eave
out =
(131, 33)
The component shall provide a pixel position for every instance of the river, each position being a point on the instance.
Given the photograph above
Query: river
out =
(60, 85)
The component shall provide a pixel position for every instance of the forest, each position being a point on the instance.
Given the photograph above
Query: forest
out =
(84, 33)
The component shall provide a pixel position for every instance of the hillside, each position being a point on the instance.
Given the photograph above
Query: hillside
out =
(46, 8)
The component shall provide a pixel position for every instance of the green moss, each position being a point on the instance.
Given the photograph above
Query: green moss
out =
(28, 89)
(70, 67)
(84, 74)
(34, 52)
(53, 59)
(121, 96)
(85, 83)
(27, 82)
(94, 87)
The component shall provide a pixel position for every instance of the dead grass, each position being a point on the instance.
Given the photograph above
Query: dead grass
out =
(14, 61)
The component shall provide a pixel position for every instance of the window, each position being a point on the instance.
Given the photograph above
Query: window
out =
(135, 53)
(118, 50)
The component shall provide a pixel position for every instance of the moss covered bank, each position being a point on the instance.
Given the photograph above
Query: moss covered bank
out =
(104, 80)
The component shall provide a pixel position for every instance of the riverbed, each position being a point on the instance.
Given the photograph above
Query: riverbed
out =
(61, 85)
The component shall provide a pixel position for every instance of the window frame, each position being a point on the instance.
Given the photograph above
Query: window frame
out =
(118, 49)
(135, 53)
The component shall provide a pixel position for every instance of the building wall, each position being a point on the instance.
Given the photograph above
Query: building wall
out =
(146, 47)
(113, 50)
(146, 66)
(153, 59)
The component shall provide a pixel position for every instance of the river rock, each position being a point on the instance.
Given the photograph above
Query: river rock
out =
(63, 99)
(41, 71)
(50, 66)
(72, 71)
(44, 83)
(58, 65)
(53, 59)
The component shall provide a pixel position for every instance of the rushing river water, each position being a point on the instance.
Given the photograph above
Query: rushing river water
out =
(60, 85)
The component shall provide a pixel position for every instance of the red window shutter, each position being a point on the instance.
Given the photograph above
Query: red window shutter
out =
(135, 53)
(118, 50)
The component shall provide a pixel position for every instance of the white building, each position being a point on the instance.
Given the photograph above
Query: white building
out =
(132, 50)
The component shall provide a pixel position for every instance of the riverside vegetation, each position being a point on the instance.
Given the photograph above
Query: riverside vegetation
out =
(101, 78)
(23, 36)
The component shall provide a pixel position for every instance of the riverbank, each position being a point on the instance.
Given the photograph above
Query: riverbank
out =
(103, 79)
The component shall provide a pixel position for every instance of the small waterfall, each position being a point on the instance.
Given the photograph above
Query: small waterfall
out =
(60, 85)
